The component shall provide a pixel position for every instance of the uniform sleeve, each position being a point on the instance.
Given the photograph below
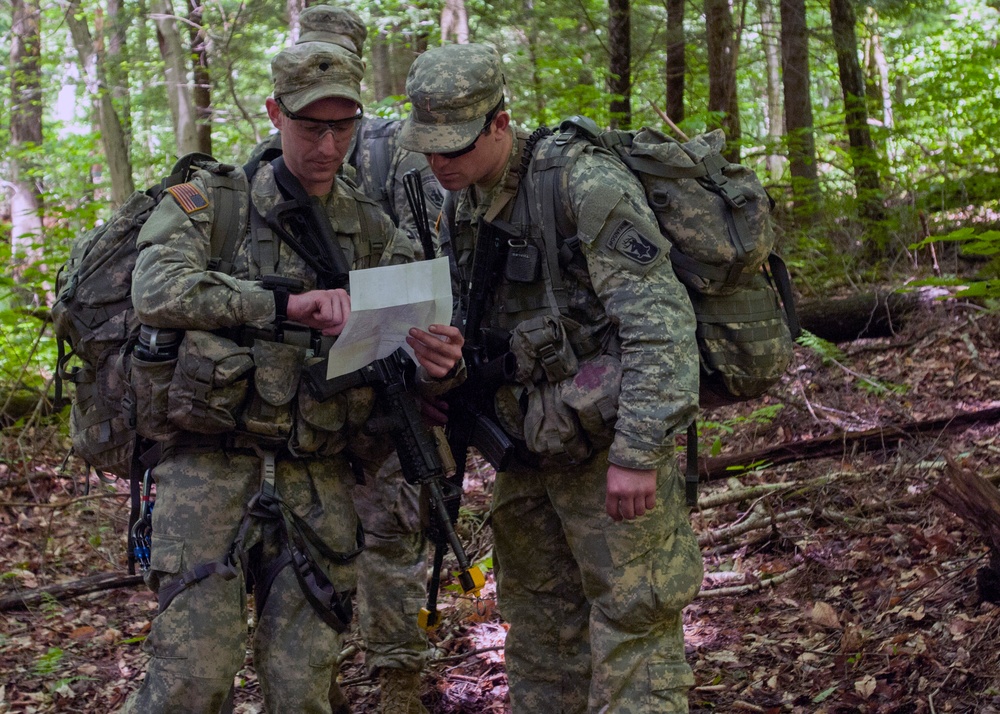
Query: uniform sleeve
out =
(172, 285)
(629, 267)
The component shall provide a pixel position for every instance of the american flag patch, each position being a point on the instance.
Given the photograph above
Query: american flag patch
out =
(189, 197)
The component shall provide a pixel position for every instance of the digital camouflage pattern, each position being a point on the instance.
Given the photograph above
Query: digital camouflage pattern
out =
(451, 95)
(380, 164)
(637, 307)
(392, 570)
(197, 642)
(333, 25)
(594, 606)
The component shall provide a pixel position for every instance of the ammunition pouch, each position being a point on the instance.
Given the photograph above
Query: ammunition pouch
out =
(209, 385)
(319, 425)
(276, 382)
(568, 421)
(543, 350)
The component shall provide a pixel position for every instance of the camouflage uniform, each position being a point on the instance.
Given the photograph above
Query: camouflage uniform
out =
(594, 605)
(205, 480)
(392, 570)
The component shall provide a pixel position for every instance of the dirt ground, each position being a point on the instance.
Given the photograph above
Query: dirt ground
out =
(844, 586)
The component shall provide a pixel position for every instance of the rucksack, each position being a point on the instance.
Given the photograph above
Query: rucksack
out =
(94, 321)
(716, 215)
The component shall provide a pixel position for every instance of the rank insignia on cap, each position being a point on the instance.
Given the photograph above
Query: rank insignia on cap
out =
(632, 244)
(189, 197)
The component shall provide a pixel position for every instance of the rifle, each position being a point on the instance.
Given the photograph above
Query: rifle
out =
(419, 451)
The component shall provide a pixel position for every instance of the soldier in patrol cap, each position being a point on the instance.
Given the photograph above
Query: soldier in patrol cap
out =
(595, 558)
(241, 433)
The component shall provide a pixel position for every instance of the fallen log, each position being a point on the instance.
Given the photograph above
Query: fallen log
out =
(25, 599)
(857, 316)
(886, 438)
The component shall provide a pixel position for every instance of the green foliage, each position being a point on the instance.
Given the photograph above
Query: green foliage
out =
(49, 662)
(714, 432)
(985, 244)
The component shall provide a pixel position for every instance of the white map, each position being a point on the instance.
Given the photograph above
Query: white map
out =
(385, 303)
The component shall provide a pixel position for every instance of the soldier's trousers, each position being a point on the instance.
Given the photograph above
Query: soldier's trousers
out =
(198, 643)
(392, 571)
(594, 606)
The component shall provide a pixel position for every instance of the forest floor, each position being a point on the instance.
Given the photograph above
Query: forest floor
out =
(847, 587)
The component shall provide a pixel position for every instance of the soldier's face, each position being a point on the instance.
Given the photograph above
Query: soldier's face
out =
(315, 140)
(481, 164)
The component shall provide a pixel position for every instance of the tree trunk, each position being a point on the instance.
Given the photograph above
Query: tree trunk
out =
(772, 57)
(530, 20)
(202, 92)
(863, 155)
(620, 46)
(798, 108)
(115, 62)
(175, 70)
(455, 21)
(113, 139)
(722, 49)
(381, 67)
(676, 61)
(25, 137)
(880, 67)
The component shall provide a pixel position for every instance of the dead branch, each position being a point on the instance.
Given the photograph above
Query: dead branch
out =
(24, 599)
(726, 533)
(752, 587)
(886, 438)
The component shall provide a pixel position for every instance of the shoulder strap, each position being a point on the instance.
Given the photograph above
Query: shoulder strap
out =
(546, 183)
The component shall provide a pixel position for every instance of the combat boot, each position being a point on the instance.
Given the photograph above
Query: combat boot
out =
(400, 692)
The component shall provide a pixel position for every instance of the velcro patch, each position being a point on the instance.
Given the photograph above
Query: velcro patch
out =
(628, 241)
(189, 197)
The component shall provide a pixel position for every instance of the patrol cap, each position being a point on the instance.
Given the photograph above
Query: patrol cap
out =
(451, 89)
(309, 71)
(335, 25)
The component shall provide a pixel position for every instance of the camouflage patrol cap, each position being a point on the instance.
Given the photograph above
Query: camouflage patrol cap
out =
(310, 71)
(335, 25)
(451, 89)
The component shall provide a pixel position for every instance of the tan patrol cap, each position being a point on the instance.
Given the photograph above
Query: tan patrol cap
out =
(335, 25)
(451, 89)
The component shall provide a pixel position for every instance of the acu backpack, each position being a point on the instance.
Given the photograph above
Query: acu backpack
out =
(95, 324)
(716, 215)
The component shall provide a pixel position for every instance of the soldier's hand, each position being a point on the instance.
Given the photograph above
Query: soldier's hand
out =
(438, 349)
(631, 492)
(323, 310)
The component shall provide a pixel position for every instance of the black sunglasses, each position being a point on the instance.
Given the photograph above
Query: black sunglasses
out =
(486, 127)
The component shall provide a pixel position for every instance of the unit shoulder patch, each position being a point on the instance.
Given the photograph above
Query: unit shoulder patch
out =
(189, 197)
(628, 241)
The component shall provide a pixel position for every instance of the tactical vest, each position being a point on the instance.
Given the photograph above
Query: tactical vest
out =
(526, 287)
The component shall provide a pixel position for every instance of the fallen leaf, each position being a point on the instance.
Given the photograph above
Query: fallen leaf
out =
(823, 614)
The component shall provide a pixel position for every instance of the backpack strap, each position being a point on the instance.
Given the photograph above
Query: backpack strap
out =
(378, 137)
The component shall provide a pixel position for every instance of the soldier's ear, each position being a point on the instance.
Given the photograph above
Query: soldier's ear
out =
(501, 121)
(273, 112)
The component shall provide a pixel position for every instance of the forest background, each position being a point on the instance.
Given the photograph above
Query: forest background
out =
(872, 124)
